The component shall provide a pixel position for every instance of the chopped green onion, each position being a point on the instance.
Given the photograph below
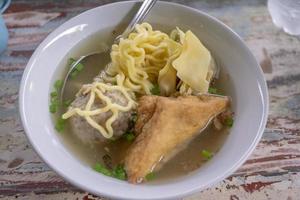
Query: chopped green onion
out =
(74, 74)
(207, 154)
(54, 100)
(229, 122)
(60, 124)
(67, 103)
(58, 85)
(129, 136)
(212, 90)
(71, 61)
(53, 108)
(54, 103)
(102, 169)
(53, 94)
(155, 90)
(79, 67)
(119, 172)
(150, 176)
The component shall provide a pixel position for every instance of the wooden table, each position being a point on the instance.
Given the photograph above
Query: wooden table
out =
(273, 170)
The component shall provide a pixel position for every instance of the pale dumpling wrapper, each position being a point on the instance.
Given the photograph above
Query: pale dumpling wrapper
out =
(193, 64)
(167, 75)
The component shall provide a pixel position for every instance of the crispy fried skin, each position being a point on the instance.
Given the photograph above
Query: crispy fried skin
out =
(164, 124)
(145, 111)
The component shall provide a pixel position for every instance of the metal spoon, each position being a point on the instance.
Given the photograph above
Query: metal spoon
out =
(100, 56)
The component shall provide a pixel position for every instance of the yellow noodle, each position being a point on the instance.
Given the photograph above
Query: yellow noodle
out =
(137, 62)
(97, 89)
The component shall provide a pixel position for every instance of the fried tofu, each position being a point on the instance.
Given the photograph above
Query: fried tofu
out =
(145, 111)
(163, 125)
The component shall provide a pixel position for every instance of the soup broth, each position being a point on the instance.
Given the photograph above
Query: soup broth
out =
(113, 152)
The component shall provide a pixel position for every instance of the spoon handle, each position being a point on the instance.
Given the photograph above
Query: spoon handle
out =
(138, 18)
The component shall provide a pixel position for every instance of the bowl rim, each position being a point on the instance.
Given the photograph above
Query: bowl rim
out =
(235, 166)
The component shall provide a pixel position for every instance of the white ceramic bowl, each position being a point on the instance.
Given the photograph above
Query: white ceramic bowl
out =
(246, 85)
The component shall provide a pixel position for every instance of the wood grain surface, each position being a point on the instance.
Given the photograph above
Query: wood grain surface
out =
(272, 171)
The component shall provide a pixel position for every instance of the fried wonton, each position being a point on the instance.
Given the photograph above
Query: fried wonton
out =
(163, 125)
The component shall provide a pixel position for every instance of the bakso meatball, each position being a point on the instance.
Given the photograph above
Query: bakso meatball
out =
(85, 132)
